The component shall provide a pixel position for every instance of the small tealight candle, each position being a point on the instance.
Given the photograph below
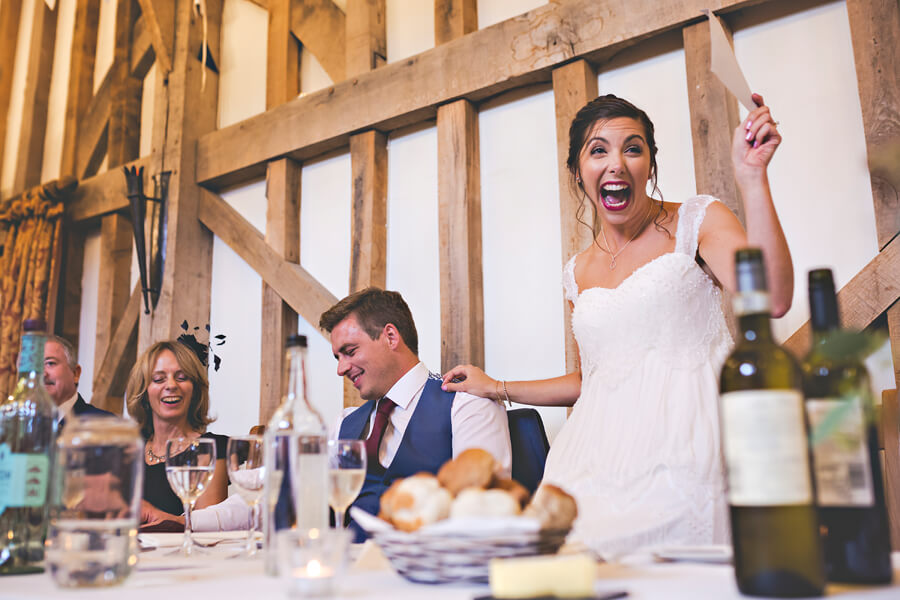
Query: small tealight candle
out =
(314, 579)
(311, 561)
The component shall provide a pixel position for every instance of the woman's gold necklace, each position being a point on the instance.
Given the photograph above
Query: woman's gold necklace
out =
(612, 263)
(154, 457)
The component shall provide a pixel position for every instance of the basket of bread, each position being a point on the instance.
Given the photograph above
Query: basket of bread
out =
(447, 528)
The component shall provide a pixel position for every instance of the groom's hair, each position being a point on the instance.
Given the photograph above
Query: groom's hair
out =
(374, 308)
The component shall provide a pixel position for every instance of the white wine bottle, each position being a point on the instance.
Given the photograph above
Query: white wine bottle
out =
(774, 526)
(844, 441)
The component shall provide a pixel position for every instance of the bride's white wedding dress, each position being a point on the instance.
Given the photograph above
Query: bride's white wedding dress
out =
(640, 451)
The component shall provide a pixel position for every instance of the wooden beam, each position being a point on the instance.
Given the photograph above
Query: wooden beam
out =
(159, 23)
(283, 57)
(278, 319)
(368, 254)
(574, 85)
(321, 28)
(93, 130)
(114, 279)
(81, 85)
(875, 34)
(454, 19)
(142, 55)
(68, 309)
(187, 111)
(101, 194)
(366, 38)
(890, 422)
(124, 132)
(30, 153)
(10, 15)
(111, 374)
(459, 231)
(510, 54)
(293, 283)
(714, 115)
(871, 292)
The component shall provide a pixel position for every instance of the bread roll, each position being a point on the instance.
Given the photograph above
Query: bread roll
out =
(476, 502)
(513, 487)
(415, 501)
(553, 507)
(472, 468)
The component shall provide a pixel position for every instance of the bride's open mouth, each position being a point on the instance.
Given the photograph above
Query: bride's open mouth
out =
(615, 195)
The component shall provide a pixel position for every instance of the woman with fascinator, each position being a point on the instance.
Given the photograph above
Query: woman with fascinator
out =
(168, 396)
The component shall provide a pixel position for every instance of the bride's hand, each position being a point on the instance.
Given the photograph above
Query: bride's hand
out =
(470, 379)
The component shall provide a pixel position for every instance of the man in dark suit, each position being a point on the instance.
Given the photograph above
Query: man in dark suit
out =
(61, 375)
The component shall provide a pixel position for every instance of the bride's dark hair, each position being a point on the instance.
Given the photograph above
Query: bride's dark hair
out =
(604, 108)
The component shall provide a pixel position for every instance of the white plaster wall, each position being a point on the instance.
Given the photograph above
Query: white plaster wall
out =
(413, 261)
(242, 68)
(59, 89)
(801, 63)
(236, 312)
(522, 256)
(90, 278)
(325, 254)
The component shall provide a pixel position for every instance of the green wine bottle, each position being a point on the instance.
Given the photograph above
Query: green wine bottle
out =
(844, 441)
(774, 527)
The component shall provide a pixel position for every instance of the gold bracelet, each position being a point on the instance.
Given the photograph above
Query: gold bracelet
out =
(505, 393)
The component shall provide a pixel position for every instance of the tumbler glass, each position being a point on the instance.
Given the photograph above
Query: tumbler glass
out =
(96, 502)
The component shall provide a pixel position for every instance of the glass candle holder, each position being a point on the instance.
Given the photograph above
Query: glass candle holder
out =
(311, 560)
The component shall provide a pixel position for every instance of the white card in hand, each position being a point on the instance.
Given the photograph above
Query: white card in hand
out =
(724, 64)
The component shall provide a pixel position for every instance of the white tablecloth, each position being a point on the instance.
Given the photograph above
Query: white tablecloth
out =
(217, 577)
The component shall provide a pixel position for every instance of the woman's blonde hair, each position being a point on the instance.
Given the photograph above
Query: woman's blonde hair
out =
(140, 377)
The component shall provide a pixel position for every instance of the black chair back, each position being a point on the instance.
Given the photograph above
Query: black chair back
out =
(529, 446)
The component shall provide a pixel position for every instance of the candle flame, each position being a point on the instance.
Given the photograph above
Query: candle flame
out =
(314, 568)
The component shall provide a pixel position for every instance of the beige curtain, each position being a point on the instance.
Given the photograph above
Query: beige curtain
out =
(33, 222)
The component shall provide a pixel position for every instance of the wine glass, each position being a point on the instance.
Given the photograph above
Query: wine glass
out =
(248, 474)
(346, 474)
(190, 464)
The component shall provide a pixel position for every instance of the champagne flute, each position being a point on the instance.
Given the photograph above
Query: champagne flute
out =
(248, 474)
(346, 474)
(190, 464)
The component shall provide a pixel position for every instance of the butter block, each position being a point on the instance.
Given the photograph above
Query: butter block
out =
(569, 576)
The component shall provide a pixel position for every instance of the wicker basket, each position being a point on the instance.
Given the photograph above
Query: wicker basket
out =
(457, 557)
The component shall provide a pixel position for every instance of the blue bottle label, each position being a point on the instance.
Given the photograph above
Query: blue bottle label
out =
(31, 356)
(23, 479)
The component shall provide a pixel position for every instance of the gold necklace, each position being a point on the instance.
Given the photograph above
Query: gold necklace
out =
(155, 458)
(612, 263)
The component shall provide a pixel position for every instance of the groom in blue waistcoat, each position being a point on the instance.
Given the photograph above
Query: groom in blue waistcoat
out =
(409, 423)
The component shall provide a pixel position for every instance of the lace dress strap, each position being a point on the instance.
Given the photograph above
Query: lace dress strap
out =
(690, 217)
(568, 280)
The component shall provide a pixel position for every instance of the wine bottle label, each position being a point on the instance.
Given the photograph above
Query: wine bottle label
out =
(765, 448)
(23, 479)
(840, 455)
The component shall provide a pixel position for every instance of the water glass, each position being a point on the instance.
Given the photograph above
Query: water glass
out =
(248, 474)
(96, 502)
(190, 464)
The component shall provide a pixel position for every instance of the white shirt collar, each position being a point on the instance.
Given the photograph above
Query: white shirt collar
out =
(63, 410)
(408, 386)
